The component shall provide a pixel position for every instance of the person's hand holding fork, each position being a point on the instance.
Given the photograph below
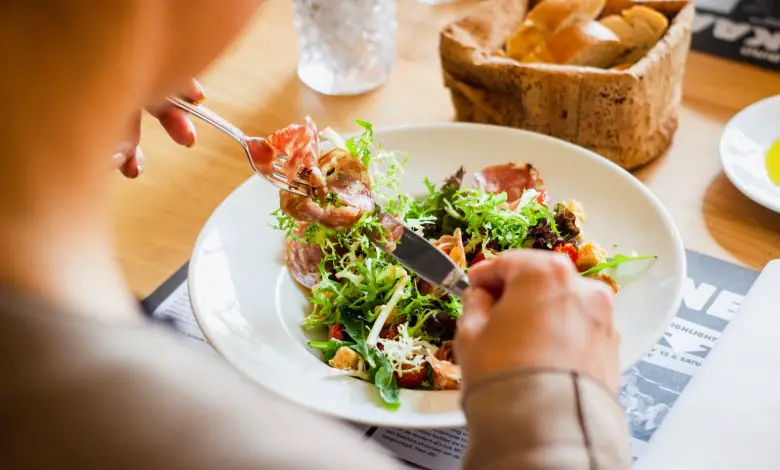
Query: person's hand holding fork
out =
(177, 123)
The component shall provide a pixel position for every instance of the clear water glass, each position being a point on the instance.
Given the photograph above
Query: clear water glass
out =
(346, 47)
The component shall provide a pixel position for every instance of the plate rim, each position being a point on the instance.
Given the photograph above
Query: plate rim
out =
(456, 419)
(730, 175)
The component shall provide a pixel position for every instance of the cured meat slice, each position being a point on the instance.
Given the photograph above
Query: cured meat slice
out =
(303, 261)
(305, 209)
(446, 375)
(347, 178)
(446, 352)
(300, 144)
(451, 245)
(336, 172)
(511, 178)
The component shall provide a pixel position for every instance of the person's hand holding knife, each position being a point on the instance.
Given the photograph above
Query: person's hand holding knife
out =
(531, 309)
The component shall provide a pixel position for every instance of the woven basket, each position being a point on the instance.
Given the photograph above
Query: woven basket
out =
(628, 116)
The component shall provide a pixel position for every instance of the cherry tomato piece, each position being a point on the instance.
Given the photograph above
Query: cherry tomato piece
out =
(389, 332)
(412, 378)
(336, 332)
(568, 250)
(480, 256)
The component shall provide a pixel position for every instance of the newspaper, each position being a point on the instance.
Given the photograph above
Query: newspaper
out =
(742, 30)
(713, 292)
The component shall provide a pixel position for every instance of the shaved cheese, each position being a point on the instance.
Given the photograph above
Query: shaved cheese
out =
(404, 352)
(386, 309)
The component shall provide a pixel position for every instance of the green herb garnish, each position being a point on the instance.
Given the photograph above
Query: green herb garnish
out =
(329, 348)
(614, 261)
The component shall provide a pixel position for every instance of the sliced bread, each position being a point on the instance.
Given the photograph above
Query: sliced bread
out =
(546, 19)
(639, 29)
(587, 43)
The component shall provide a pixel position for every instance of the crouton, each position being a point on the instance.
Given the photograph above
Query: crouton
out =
(345, 359)
(590, 254)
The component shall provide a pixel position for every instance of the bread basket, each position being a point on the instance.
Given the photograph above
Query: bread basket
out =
(628, 116)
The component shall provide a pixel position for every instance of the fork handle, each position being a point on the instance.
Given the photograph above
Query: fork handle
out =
(210, 117)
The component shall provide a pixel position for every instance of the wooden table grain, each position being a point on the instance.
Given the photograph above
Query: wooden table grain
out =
(159, 216)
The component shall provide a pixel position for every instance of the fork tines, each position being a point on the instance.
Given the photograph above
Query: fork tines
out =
(280, 180)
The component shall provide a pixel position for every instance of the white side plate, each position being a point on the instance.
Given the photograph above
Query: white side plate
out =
(743, 147)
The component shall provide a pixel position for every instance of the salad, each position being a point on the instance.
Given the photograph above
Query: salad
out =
(385, 325)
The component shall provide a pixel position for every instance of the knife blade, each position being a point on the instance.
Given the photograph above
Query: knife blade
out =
(421, 257)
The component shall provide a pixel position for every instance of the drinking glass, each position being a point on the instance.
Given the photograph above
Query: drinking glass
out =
(346, 47)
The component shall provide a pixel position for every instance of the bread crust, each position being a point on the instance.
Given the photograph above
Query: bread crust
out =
(584, 43)
(552, 16)
(639, 29)
(547, 19)
(628, 116)
(669, 8)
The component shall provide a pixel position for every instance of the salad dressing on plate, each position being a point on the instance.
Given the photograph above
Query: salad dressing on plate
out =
(772, 162)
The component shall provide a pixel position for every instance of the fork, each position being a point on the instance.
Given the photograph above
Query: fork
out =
(277, 178)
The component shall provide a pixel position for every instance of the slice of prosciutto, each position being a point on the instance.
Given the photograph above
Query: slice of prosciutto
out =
(300, 144)
(512, 178)
(303, 261)
(451, 245)
(347, 178)
(446, 375)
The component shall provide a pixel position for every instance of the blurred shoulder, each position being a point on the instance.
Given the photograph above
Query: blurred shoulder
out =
(114, 396)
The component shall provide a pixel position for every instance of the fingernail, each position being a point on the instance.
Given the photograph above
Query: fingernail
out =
(118, 159)
(194, 134)
(200, 91)
(139, 160)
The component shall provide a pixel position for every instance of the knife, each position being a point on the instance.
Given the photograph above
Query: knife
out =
(421, 257)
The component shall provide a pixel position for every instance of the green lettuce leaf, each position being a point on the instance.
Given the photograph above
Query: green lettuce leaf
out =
(361, 146)
(384, 379)
(614, 261)
(379, 369)
(329, 347)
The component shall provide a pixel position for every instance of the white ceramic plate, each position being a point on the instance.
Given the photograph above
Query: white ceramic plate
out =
(250, 308)
(743, 147)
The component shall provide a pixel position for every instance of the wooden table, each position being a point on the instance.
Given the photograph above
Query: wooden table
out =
(255, 85)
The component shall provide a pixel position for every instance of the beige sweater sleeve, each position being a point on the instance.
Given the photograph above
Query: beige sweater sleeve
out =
(544, 420)
(84, 395)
